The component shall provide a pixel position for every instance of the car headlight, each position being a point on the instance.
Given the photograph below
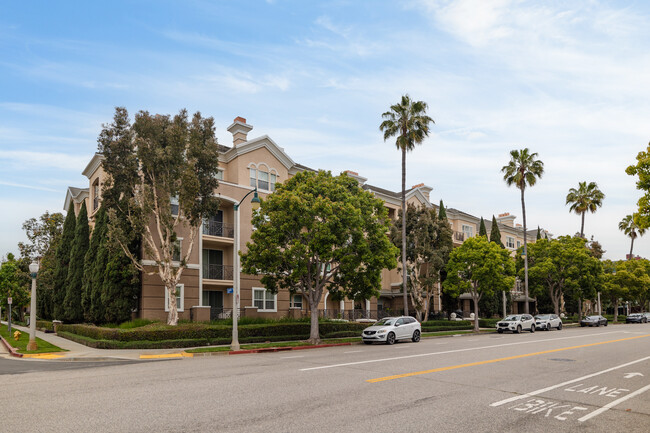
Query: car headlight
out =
(381, 331)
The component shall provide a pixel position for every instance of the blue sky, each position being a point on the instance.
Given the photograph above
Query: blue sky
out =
(569, 80)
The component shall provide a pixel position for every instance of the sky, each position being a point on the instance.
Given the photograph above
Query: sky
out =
(570, 80)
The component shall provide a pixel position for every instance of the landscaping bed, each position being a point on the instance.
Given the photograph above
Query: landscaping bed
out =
(21, 344)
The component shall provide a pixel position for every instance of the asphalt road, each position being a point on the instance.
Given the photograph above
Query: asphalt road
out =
(580, 379)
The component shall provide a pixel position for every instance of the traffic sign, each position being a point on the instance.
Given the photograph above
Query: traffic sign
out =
(9, 301)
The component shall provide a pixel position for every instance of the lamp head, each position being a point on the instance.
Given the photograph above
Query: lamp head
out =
(255, 202)
(33, 268)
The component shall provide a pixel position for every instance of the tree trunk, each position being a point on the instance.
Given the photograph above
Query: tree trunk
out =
(555, 298)
(631, 246)
(582, 226)
(523, 211)
(404, 270)
(616, 311)
(579, 308)
(172, 315)
(504, 303)
(314, 335)
(475, 299)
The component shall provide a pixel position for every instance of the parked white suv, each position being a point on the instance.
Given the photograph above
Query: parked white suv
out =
(390, 329)
(548, 321)
(516, 323)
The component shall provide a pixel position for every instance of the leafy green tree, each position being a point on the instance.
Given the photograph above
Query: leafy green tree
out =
(62, 262)
(74, 282)
(317, 232)
(642, 170)
(586, 198)
(623, 280)
(94, 271)
(149, 163)
(479, 267)
(523, 170)
(442, 213)
(13, 284)
(595, 249)
(482, 231)
(631, 229)
(428, 245)
(557, 267)
(408, 122)
(495, 233)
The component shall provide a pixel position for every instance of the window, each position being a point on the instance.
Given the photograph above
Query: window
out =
(176, 250)
(510, 242)
(219, 174)
(518, 244)
(180, 295)
(174, 204)
(468, 230)
(264, 300)
(296, 301)
(263, 180)
(95, 195)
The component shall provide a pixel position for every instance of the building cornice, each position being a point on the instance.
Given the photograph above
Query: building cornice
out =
(258, 143)
(93, 165)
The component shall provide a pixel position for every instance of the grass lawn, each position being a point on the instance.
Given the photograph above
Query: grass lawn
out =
(21, 344)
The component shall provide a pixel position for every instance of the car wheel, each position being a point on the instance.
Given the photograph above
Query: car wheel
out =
(548, 327)
(367, 342)
(645, 320)
(559, 327)
(500, 331)
(390, 338)
(597, 324)
(605, 323)
(518, 329)
(532, 329)
(582, 325)
(416, 336)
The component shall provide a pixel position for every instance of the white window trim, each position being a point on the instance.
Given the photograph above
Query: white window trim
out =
(180, 253)
(508, 244)
(292, 303)
(470, 230)
(269, 170)
(264, 310)
(180, 307)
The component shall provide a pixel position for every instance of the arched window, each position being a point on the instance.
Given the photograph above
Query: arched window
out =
(262, 177)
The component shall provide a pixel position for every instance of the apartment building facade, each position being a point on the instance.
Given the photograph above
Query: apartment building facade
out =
(206, 286)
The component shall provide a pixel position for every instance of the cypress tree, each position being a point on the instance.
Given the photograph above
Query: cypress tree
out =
(62, 261)
(495, 233)
(94, 267)
(73, 311)
(482, 231)
(121, 285)
(539, 233)
(442, 214)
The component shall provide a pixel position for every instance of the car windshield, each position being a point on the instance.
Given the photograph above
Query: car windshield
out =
(634, 315)
(512, 318)
(543, 317)
(592, 318)
(385, 322)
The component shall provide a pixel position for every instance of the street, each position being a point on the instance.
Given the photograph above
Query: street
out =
(577, 379)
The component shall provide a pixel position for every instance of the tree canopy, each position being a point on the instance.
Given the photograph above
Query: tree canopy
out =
(586, 198)
(318, 232)
(479, 267)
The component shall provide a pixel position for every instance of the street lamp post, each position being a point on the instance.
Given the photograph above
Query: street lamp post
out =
(33, 271)
(255, 204)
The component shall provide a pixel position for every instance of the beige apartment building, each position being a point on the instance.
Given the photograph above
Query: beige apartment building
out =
(206, 287)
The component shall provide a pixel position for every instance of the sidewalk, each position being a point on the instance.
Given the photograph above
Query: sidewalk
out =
(79, 352)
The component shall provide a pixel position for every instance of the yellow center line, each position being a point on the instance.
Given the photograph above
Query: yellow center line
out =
(168, 355)
(491, 361)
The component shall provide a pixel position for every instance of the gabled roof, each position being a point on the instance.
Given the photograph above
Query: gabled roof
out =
(395, 198)
(76, 194)
(257, 143)
(93, 165)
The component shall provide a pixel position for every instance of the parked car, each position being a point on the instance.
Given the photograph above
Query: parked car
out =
(637, 318)
(593, 321)
(548, 321)
(390, 329)
(516, 323)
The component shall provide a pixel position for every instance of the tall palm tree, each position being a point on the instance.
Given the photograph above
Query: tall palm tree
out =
(629, 227)
(408, 122)
(523, 170)
(585, 198)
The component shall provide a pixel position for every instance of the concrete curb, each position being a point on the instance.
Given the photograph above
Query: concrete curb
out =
(12, 351)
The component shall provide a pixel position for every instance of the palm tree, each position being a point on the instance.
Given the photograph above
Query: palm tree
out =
(523, 170)
(629, 227)
(585, 198)
(408, 122)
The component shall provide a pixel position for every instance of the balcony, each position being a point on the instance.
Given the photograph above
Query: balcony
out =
(459, 236)
(216, 228)
(217, 272)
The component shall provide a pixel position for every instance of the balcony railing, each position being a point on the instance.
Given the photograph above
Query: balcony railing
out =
(216, 228)
(459, 236)
(217, 272)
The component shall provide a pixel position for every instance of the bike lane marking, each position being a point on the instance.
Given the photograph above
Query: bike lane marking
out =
(614, 403)
(568, 382)
(491, 361)
(397, 358)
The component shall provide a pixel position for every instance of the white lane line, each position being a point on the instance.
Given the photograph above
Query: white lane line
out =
(354, 351)
(441, 343)
(396, 358)
(291, 357)
(550, 388)
(614, 403)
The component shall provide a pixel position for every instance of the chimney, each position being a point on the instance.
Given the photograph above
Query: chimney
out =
(239, 130)
(354, 175)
